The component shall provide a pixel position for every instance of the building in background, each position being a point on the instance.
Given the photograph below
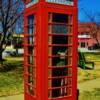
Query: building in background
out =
(85, 38)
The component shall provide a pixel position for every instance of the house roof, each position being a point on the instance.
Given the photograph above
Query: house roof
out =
(85, 27)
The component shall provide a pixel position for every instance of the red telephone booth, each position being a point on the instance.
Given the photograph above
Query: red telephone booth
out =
(50, 45)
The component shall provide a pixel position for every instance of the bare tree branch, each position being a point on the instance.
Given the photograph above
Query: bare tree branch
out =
(9, 14)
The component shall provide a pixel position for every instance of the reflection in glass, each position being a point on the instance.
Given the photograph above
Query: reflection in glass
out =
(59, 28)
(30, 89)
(56, 50)
(59, 61)
(30, 80)
(30, 24)
(30, 69)
(30, 40)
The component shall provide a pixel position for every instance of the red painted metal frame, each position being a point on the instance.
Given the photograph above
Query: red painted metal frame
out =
(41, 10)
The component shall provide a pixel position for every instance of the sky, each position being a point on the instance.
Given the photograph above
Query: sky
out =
(88, 6)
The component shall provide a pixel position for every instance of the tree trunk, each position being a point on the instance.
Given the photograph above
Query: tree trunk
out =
(16, 51)
(98, 44)
(1, 60)
(99, 47)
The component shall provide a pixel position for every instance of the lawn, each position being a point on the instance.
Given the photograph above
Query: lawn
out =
(88, 74)
(94, 56)
(11, 76)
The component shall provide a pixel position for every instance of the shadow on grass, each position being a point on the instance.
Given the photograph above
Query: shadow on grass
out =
(8, 66)
(86, 68)
(90, 95)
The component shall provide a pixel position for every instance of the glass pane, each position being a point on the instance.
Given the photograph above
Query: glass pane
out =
(56, 93)
(49, 29)
(70, 51)
(30, 50)
(30, 40)
(69, 71)
(49, 17)
(30, 59)
(58, 50)
(59, 28)
(49, 50)
(59, 39)
(70, 81)
(59, 72)
(49, 39)
(69, 40)
(49, 72)
(30, 89)
(69, 91)
(30, 24)
(30, 20)
(60, 18)
(30, 29)
(49, 93)
(49, 62)
(49, 83)
(70, 29)
(59, 61)
(71, 20)
(70, 61)
(30, 69)
(30, 80)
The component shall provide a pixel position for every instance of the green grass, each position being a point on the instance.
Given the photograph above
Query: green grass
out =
(86, 75)
(93, 56)
(11, 76)
(87, 95)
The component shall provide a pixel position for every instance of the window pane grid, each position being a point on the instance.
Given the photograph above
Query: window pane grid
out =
(61, 45)
(52, 88)
(59, 77)
(50, 67)
(59, 56)
(31, 55)
(63, 29)
(60, 34)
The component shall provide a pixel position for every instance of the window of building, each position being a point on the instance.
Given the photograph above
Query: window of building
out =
(82, 44)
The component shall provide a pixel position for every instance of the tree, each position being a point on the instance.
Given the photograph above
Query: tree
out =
(9, 14)
(94, 26)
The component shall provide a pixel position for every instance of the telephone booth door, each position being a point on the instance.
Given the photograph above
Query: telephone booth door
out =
(60, 39)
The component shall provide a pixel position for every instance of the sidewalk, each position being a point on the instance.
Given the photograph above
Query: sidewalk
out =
(15, 97)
